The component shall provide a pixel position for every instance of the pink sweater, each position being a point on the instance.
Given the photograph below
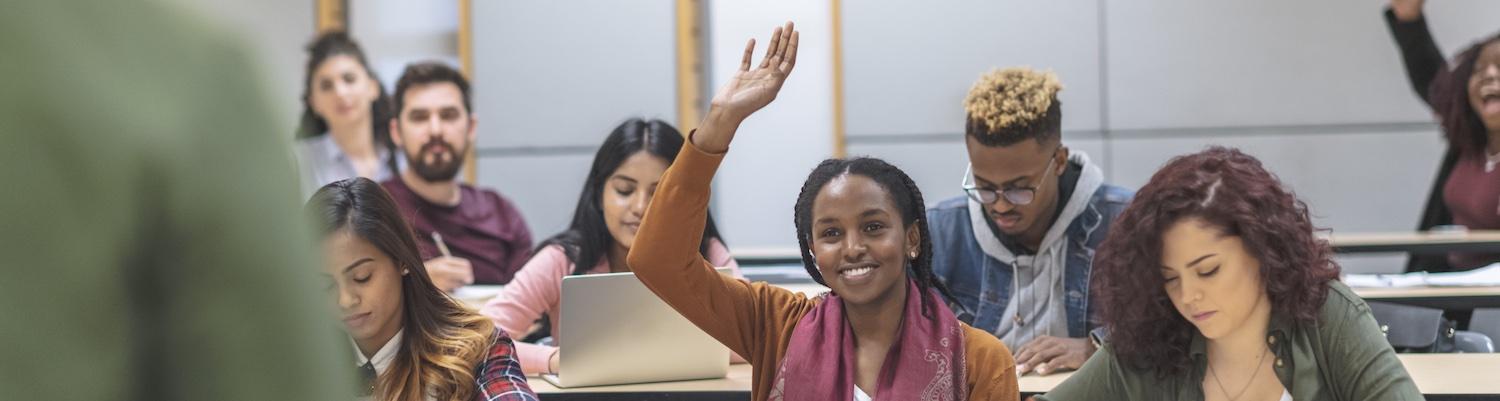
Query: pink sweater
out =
(537, 289)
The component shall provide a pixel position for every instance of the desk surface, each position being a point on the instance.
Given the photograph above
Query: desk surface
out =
(1393, 241)
(1416, 241)
(1454, 298)
(738, 380)
(1435, 374)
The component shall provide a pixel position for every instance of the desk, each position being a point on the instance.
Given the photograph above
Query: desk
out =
(1416, 242)
(1439, 376)
(751, 256)
(734, 386)
(476, 295)
(1369, 242)
(1448, 298)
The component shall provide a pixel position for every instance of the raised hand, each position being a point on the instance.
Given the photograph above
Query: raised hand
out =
(1407, 10)
(749, 90)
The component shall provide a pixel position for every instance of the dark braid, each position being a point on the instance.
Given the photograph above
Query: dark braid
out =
(903, 192)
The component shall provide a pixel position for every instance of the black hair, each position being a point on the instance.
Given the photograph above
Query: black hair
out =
(1449, 92)
(430, 72)
(367, 211)
(337, 43)
(587, 238)
(903, 192)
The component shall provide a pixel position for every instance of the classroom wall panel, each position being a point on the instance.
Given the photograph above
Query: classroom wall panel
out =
(394, 33)
(1187, 63)
(545, 187)
(551, 80)
(564, 73)
(274, 33)
(909, 64)
(774, 150)
(1352, 182)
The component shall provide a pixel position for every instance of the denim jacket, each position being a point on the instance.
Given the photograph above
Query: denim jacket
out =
(978, 269)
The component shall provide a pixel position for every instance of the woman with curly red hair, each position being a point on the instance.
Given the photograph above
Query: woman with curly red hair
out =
(1213, 286)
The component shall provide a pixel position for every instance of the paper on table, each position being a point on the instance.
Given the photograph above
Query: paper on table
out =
(477, 293)
(1417, 279)
(1481, 277)
(1484, 276)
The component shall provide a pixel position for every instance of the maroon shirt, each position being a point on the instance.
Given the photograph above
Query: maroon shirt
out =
(1473, 196)
(484, 228)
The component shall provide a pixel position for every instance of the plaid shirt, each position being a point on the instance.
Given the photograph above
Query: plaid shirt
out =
(499, 377)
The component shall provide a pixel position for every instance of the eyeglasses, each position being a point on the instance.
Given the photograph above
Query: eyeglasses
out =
(1019, 196)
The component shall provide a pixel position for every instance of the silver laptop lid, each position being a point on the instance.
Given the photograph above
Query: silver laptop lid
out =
(616, 331)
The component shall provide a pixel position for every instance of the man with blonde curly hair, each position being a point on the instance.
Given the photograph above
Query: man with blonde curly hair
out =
(1017, 250)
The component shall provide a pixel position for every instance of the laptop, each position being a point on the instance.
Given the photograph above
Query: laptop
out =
(616, 331)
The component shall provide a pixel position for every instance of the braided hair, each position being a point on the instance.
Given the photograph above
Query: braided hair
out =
(903, 192)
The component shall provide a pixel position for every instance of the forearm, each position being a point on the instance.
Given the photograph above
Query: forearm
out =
(1419, 52)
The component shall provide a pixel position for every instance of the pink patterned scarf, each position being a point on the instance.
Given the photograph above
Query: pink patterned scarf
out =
(926, 363)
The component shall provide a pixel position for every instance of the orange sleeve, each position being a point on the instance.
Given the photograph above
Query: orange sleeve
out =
(753, 320)
(991, 368)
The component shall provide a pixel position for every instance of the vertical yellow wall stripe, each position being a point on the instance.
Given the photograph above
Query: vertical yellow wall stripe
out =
(466, 59)
(690, 76)
(330, 15)
(839, 144)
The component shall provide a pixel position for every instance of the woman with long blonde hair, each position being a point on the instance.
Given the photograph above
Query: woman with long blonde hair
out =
(413, 342)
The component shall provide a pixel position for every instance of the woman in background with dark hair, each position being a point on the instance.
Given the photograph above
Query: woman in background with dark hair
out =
(1214, 286)
(345, 127)
(412, 341)
(1465, 96)
(621, 183)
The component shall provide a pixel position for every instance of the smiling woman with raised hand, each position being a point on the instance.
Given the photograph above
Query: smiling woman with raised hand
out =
(883, 333)
(1215, 287)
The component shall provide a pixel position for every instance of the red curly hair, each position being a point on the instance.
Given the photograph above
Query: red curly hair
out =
(1232, 192)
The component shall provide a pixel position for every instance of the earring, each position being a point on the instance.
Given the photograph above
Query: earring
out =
(404, 271)
(913, 255)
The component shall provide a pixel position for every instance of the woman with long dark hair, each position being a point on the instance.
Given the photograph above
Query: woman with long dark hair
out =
(412, 341)
(1465, 97)
(1214, 286)
(345, 127)
(621, 183)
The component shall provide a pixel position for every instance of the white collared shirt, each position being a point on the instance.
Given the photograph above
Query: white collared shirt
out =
(859, 395)
(320, 161)
(382, 358)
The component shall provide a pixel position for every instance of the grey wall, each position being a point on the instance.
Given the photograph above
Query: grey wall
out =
(1315, 89)
(274, 31)
(395, 33)
(551, 80)
(773, 151)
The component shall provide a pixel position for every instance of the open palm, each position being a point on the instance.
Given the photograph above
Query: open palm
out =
(751, 89)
